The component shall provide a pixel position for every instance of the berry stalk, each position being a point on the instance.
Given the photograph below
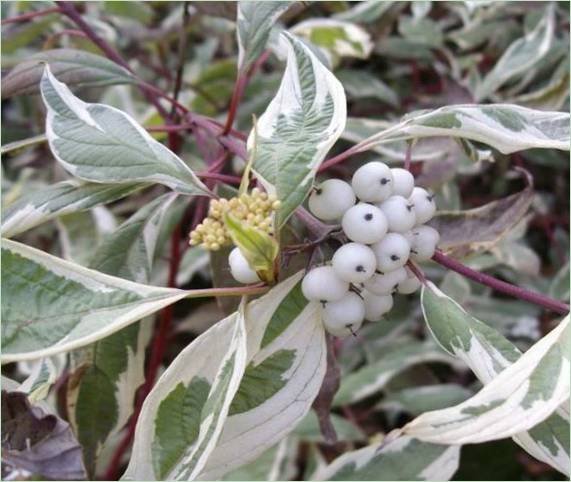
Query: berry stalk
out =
(501, 286)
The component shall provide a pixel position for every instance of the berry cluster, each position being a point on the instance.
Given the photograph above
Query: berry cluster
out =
(255, 209)
(386, 229)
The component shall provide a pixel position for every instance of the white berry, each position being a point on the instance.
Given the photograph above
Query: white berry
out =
(354, 262)
(392, 252)
(376, 306)
(403, 182)
(322, 284)
(344, 317)
(384, 284)
(408, 286)
(240, 269)
(373, 182)
(364, 223)
(399, 212)
(423, 240)
(331, 199)
(424, 206)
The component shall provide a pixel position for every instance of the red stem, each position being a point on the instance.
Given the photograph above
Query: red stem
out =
(339, 158)
(501, 286)
(30, 15)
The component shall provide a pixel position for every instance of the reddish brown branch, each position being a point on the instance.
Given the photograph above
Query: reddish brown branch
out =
(28, 16)
(501, 286)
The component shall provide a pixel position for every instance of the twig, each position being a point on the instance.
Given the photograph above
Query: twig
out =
(501, 286)
(340, 157)
(30, 15)
(417, 271)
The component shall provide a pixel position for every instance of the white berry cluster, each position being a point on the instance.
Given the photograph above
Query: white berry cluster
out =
(386, 227)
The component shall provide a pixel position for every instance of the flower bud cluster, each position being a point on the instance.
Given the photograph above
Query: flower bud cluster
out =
(255, 209)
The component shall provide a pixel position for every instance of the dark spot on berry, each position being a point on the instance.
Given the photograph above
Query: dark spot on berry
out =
(360, 269)
(368, 216)
(414, 251)
(430, 197)
(409, 207)
(394, 257)
(318, 191)
(384, 181)
(379, 272)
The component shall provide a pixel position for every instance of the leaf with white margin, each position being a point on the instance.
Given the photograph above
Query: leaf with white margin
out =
(404, 458)
(254, 24)
(37, 207)
(100, 143)
(51, 305)
(104, 376)
(506, 127)
(298, 128)
(520, 56)
(43, 375)
(372, 378)
(337, 38)
(286, 365)
(183, 416)
(488, 353)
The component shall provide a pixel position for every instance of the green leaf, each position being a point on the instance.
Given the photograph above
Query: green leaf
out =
(37, 207)
(254, 24)
(336, 38)
(560, 285)
(373, 378)
(258, 247)
(404, 458)
(506, 127)
(106, 375)
(360, 84)
(99, 143)
(52, 305)
(16, 145)
(73, 67)
(184, 414)
(366, 12)
(281, 380)
(298, 128)
(489, 354)
(308, 429)
(521, 56)
(519, 398)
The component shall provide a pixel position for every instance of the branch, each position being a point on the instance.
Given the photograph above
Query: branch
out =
(30, 15)
(501, 286)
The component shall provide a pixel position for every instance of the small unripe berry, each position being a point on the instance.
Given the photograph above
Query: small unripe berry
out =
(392, 252)
(344, 317)
(399, 212)
(424, 206)
(385, 284)
(373, 182)
(331, 199)
(354, 262)
(376, 305)
(423, 241)
(408, 286)
(239, 267)
(322, 284)
(364, 223)
(403, 182)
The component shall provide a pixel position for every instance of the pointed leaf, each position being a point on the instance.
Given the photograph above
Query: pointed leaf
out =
(298, 128)
(73, 67)
(183, 416)
(488, 354)
(37, 207)
(404, 458)
(100, 143)
(52, 305)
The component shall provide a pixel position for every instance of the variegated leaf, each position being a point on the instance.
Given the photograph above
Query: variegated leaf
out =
(286, 365)
(506, 127)
(52, 305)
(183, 416)
(372, 378)
(404, 458)
(488, 354)
(298, 128)
(37, 207)
(254, 24)
(100, 143)
(521, 56)
(336, 38)
(44, 373)
(105, 375)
